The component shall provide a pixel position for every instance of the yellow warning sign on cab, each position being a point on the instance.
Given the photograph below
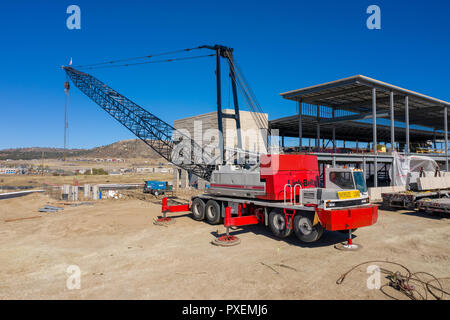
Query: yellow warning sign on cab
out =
(350, 194)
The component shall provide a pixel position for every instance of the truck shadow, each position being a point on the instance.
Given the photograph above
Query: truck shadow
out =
(328, 238)
(433, 216)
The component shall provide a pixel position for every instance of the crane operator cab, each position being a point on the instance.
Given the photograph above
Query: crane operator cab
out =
(346, 179)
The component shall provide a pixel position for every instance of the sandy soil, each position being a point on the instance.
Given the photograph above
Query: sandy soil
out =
(122, 255)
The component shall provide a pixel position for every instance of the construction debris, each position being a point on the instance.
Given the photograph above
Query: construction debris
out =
(48, 208)
(408, 284)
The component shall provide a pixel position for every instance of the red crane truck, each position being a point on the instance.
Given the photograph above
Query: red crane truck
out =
(283, 193)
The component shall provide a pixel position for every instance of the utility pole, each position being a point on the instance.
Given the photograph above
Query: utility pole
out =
(66, 116)
(42, 165)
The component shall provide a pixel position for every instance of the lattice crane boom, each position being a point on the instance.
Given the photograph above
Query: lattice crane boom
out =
(156, 133)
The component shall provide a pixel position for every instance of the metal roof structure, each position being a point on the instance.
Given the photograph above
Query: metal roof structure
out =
(349, 130)
(354, 94)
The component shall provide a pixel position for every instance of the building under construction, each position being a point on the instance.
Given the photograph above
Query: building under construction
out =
(359, 109)
(369, 117)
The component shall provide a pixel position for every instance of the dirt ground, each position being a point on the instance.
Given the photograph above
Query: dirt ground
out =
(123, 255)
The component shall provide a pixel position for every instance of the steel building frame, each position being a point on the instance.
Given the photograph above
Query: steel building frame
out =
(360, 97)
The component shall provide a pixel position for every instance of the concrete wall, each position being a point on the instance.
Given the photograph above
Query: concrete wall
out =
(197, 126)
(252, 139)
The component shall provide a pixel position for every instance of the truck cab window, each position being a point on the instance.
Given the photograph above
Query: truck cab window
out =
(360, 181)
(343, 180)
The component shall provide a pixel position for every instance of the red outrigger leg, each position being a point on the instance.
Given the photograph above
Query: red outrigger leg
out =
(227, 240)
(165, 208)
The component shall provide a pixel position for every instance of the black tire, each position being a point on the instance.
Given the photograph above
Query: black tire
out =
(346, 231)
(304, 229)
(198, 209)
(277, 224)
(212, 212)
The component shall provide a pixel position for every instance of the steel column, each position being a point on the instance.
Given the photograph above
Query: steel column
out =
(392, 135)
(434, 139)
(318, 129)
(446, 137)
(392, 120)
(374, 132)
(300, 129)
(334, 133)
(407, 124)
(364, 168)
(219, 105)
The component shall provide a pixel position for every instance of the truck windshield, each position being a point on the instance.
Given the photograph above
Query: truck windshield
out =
(342, 180)
(360, 181)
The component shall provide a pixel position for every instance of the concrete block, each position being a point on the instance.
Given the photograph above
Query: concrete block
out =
(424, 183)
(87, 190)
(375, 194)
(399, 188)
(95, 192)
(447, 181)
(439, 182)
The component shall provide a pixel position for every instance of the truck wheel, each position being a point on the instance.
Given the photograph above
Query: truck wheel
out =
(304, 229)
(198, 209)
(212, 212)
(277, 224)
(155, 193)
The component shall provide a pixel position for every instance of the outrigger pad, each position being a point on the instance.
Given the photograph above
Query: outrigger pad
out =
(344, 246)
(163, 221)
(226, 241)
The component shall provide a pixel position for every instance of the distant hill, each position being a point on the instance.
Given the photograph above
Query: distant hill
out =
(36, 153)
(124, 149)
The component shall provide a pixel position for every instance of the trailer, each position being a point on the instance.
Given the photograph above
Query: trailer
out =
(156, 187)
(435, 206)
(422, 180)
(409, 200)
(420, 185)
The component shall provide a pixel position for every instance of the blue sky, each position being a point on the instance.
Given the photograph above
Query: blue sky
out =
(280, 45)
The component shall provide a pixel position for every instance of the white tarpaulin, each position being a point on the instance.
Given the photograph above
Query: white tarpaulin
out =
(405, 164)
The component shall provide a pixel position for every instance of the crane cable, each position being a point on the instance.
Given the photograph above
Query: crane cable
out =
(402, 282)
(249, 95)
(136, 58)
(147, 62)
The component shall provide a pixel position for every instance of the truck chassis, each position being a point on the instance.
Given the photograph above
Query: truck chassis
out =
(307, 221)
